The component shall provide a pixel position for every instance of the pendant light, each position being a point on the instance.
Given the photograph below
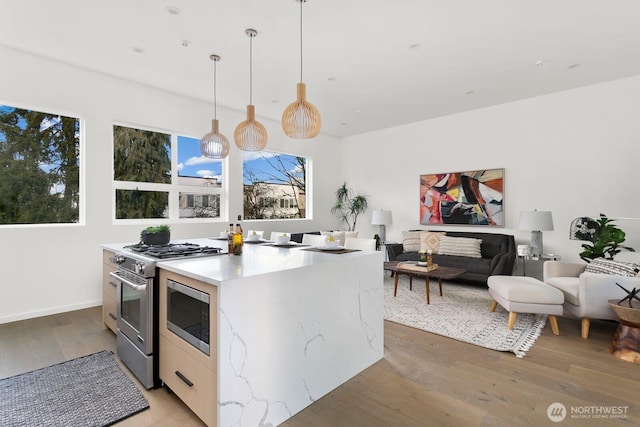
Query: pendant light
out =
(301, 119)
(214, 145)
(250, 135)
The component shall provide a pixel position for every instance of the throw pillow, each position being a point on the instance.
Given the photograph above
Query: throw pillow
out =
(430, 241)
(411, 241)
(609, 266)
(460, 246)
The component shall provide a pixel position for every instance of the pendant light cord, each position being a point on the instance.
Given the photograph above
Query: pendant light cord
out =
(215, 99)
(251, 70)
(301, 1)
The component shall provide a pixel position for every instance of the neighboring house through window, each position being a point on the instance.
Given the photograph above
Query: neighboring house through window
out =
(275, 185)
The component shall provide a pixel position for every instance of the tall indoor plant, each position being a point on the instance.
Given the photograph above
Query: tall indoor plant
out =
(349, 206)
(604, 239)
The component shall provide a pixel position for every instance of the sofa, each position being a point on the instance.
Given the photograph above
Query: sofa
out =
(497, 253)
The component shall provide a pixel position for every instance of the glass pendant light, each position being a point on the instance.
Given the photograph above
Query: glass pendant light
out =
(214, 145)
(250, 135)
(301, 119)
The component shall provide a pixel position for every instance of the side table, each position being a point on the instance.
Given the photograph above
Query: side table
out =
(626, 341)
(536, 261)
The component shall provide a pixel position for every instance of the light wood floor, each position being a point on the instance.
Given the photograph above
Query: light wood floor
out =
(423, 380)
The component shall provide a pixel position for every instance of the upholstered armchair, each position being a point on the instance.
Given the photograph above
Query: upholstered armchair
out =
(585, 293)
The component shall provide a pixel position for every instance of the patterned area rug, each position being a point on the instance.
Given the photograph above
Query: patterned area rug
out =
(87, 391)
(462, 313)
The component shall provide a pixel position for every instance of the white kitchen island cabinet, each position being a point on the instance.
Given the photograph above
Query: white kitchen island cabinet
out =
(291, 326)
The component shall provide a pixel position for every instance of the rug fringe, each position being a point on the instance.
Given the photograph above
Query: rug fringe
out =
(531, 337)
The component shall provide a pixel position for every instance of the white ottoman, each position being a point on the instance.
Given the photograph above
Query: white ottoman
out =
(519, 294)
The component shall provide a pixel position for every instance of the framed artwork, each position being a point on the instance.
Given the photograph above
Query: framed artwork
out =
(463, 198)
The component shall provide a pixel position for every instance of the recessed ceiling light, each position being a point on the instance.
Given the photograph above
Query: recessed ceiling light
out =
(539, 63)
(172, 10)
(573, 66)
(414, 46)
(138, 49)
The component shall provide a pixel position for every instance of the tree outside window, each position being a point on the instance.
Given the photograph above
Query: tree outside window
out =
(39, 167)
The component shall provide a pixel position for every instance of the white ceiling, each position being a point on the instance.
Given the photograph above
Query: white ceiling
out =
(359, 64)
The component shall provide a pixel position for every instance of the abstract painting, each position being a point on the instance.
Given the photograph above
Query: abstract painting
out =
(463, 198)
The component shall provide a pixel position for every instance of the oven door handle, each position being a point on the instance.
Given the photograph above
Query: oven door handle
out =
(138, 288)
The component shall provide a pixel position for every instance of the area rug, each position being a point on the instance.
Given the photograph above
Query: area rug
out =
(87, 391)
(462, 313)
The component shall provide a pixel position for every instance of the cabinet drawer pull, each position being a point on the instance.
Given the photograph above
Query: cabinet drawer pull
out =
(113, 316)
(183, 378)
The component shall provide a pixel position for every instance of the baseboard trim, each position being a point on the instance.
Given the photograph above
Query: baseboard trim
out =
(55, 310)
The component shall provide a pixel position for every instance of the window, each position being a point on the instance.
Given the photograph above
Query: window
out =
(39, 167)
(152, 183)
(274, 185)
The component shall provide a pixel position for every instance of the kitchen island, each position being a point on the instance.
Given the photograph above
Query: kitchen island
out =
(288, 325)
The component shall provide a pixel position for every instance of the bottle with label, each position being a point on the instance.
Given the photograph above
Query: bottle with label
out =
(237, 240)
(230, 239)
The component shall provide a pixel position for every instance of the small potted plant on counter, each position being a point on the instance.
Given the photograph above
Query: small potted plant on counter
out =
(156, 235)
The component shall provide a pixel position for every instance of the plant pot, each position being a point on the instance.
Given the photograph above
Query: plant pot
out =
(155, 239)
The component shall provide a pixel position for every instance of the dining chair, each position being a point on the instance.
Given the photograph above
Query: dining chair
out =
(313, 239)
(360, 243)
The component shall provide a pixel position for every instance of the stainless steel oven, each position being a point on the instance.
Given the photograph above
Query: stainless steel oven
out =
(137, 339)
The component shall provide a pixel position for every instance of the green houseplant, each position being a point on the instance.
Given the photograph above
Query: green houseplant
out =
(156, 235)
(349, 206)
(604, 240)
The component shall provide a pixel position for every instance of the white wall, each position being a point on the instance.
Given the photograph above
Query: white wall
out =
(575, 153)
(50, 269)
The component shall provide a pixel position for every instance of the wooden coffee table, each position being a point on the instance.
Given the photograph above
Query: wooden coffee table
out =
(447, 273)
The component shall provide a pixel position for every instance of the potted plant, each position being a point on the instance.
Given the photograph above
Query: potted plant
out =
(349, 206)
(604, 240)
(156, 235)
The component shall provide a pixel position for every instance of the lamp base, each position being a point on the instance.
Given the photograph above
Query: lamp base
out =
(536, 243)
(383, 234)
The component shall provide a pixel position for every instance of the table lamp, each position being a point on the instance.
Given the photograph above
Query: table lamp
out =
(536, 221)
(382, 218)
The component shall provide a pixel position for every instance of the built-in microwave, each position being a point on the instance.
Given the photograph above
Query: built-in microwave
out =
(188, 314)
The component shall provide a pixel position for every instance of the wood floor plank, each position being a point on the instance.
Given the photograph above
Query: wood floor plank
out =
(424, 379)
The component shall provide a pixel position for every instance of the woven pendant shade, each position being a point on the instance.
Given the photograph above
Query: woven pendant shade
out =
(214, 144)
(301, 119)
(250, 135)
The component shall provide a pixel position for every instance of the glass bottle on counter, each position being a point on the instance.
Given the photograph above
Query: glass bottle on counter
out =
(237, 240)
(230, 239)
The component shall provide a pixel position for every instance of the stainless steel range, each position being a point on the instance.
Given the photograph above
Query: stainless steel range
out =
(137, 304)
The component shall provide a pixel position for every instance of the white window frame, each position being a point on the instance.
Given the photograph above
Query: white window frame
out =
(173, 188)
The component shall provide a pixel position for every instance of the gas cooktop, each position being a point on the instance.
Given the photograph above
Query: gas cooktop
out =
(174, 250)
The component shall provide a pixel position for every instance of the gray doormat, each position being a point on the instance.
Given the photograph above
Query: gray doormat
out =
(87, 391)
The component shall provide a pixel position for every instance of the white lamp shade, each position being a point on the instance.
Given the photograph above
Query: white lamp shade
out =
(380, 217)
(535, 220)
